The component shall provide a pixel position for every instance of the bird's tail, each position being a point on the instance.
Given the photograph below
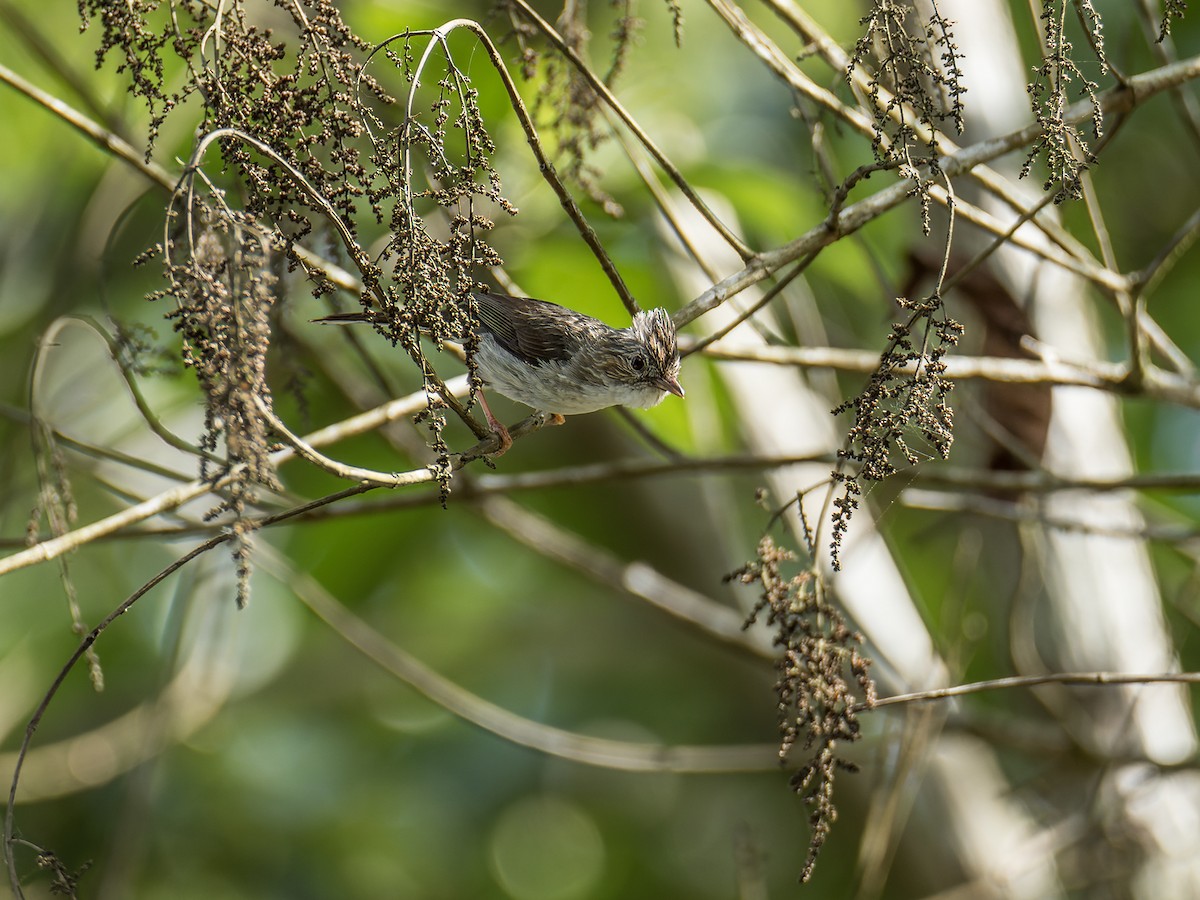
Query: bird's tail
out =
(342, 318)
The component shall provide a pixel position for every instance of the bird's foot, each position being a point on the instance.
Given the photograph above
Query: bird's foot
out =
(556, 419)
(497, 427)
(503, 436)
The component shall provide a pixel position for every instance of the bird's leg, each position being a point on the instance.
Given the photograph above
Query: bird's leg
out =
(501, 432)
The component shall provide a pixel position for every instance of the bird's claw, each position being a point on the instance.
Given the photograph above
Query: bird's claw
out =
(503, 437)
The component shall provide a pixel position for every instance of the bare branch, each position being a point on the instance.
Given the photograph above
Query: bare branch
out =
(524, 732)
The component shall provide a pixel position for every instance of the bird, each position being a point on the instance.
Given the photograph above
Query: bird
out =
(563, 362)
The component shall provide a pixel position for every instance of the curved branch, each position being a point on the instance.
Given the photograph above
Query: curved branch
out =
(602, 752)
(606, 95)
(853, 217)
(636, 578)
(545, 166)
(176, 497)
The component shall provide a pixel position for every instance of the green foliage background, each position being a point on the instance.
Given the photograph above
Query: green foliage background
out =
(319, 775)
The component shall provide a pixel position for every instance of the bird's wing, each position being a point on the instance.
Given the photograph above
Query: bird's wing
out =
(534, 330)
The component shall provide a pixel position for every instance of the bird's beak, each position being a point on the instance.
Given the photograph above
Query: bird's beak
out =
(670, 385)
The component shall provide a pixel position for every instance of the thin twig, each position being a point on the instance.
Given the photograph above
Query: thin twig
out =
(545, 166)
(636, 578)
(606, 95)
(127, 153)
(855, 216)
(83, 649)
(180, 495)
(1080, 679)
(603, 752)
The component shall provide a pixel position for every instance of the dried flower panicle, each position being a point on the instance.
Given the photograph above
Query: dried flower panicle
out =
(314, 150)
(224, 290)
(917, 64)
(1172, 9)
(823, 678)
(1062, 145)
(567, 106)
(905, 399)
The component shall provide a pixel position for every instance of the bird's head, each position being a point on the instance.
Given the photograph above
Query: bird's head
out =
(644, 358)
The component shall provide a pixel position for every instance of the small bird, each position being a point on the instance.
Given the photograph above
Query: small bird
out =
(562, 362)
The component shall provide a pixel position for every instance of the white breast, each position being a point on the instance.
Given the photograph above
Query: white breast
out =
(550, 388)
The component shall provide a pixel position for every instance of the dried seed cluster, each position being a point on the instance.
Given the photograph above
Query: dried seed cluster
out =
(823, 678)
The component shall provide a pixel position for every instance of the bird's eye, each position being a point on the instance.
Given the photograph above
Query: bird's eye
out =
(638, 363)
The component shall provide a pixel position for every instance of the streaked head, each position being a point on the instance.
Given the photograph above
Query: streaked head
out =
(655, 331)
(641, 362)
